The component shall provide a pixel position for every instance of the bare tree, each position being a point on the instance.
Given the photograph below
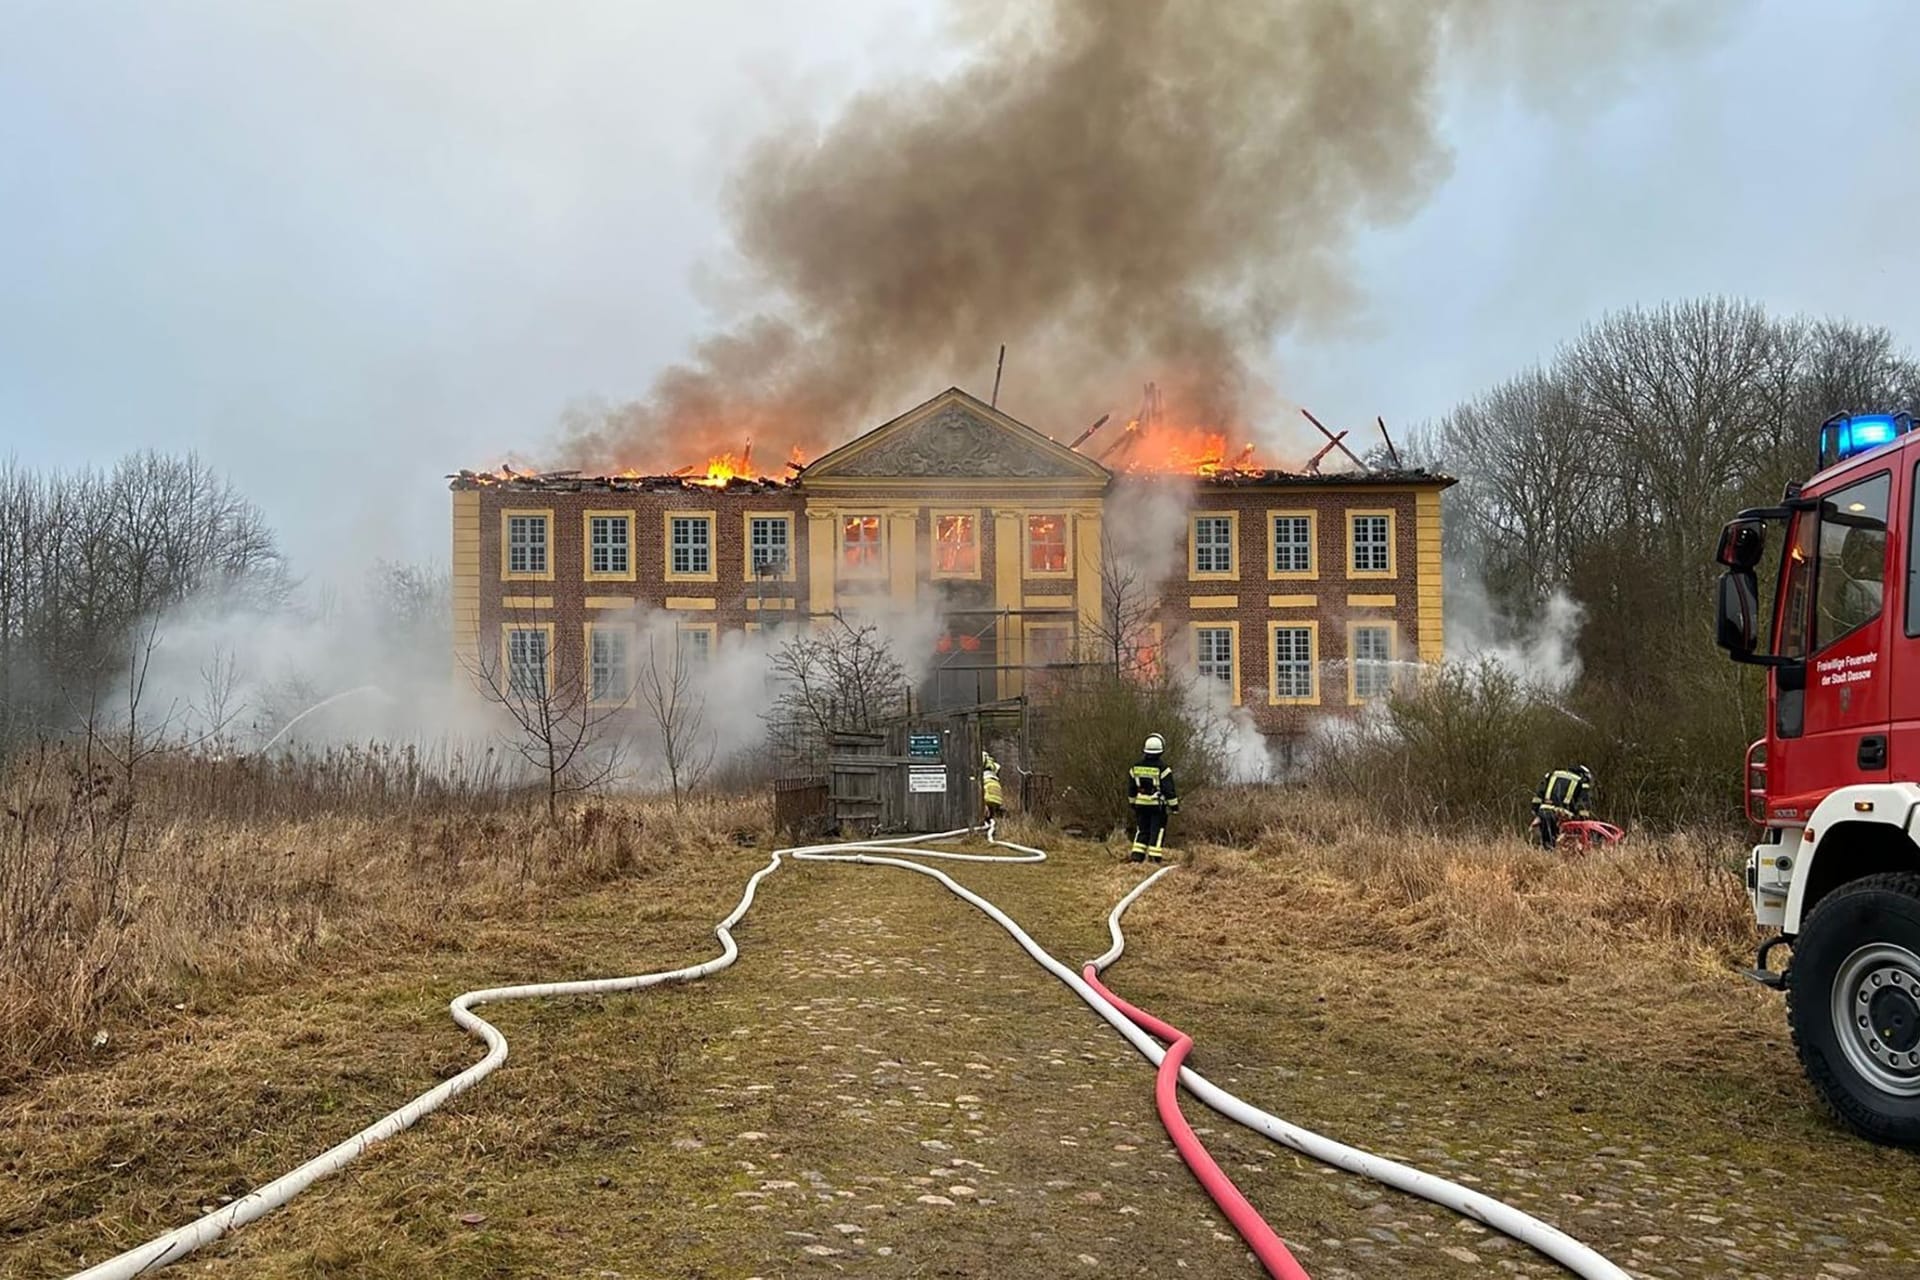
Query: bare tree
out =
(1120, 638)
(87, 557)
(557, 724)
(842, 677)
(672, 696)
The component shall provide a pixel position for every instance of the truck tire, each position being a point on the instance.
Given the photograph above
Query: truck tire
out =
(1853, 1002)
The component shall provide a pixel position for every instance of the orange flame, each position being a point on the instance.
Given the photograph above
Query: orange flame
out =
(1154, 442)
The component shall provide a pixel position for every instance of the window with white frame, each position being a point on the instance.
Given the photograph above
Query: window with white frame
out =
(1047, 544)
(695, 646)
(1372, 661)
(1213, 653)
(1213, 544)
(609, 545)
(1293, 662)
(609, 663)
(527, 662)
(690, 545)
(768, 539)
(861, 550)
(956, 544)
(1372, 544)
(527, 544)
(1293, 544)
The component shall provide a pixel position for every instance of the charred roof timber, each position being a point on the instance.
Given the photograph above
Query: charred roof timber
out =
(1247, 478)
(573, 482)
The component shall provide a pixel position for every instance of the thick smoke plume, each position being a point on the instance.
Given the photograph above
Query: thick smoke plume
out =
(1117, 191)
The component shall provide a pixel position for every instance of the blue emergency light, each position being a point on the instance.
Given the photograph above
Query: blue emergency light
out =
(1844, 435)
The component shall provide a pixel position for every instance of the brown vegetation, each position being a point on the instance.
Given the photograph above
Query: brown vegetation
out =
(116, 893)
(1567, 1032)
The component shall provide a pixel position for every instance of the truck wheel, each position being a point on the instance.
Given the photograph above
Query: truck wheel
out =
(1853, 1001)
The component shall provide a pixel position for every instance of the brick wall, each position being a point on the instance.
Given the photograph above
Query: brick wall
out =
(569, 600)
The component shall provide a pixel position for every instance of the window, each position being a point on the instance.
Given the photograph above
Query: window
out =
(1212, 538)
(1371, 657)
(1293, 544)
(1293, 663)
(1213, 653)
(609, 663)
(956, 544)
(1047, 545)
(1913, 560)
(527, 662)
(695, 645)
(1370, 539)
(609, 545)
(690, 546)
(862, 553)
(1850, 582)
(527, 543)
(1148, 649)
(1049, 643)
(769, 546)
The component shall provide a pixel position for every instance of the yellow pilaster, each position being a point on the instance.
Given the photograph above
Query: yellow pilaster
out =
(1427, 574)
(466, 585)
(822, 556)
(1086, 546)
(1006, 595)
(903, 556)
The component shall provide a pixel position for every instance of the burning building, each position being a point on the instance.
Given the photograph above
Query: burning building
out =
(1284, 590)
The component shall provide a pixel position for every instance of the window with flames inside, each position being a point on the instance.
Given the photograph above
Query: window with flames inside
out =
(1047, 544)
(861, 554)
(956, 545)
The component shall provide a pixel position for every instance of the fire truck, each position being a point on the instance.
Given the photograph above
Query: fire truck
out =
(1835, 784)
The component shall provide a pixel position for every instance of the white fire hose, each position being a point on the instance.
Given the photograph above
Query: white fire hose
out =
(176, 1244)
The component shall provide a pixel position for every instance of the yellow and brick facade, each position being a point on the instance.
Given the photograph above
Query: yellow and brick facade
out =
(1292, 593)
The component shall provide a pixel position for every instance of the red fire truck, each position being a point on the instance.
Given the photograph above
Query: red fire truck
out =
(1835, 785)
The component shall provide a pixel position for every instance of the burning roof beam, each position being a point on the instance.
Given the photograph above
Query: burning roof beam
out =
(1086, 435)
(1338, 440)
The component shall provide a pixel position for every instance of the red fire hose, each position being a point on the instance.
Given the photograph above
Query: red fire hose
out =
(1266, 1244)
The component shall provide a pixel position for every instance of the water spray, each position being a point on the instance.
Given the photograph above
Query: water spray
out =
(319, 706)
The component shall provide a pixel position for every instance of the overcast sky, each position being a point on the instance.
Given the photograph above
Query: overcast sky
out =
(341, 247)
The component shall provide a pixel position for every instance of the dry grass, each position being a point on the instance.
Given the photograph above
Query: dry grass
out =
(1567, 1034)
(1499, 931)
(111, 898)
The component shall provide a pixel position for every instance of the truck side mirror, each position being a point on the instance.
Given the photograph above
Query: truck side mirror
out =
(1738, 627)
(1742, 543)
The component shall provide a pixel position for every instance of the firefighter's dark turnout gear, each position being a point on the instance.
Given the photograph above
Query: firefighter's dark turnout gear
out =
(1562, 794)
(1151, 792)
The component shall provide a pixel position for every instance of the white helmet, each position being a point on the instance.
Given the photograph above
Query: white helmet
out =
(1155, 744)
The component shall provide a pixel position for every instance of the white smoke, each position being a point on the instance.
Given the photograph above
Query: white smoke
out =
(1542, 652)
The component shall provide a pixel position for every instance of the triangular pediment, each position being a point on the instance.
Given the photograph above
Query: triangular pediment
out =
(955, 437)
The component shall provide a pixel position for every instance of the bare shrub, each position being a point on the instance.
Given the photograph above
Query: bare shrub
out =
(1462, 746)
(1092, 729)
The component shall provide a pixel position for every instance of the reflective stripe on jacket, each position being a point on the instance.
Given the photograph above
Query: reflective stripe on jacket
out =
(1151, 784)
(990, 792)
(1563, 790)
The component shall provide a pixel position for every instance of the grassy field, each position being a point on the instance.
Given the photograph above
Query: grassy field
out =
(886, 1086)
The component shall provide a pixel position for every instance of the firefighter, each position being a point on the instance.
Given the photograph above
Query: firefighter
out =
(1151, 793)
(990, 792)
(1562, 794)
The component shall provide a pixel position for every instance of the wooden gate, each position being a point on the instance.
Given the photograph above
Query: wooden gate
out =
(800, 806)
(922, 775)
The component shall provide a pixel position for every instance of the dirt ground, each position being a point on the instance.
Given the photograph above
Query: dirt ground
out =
(885, 1086)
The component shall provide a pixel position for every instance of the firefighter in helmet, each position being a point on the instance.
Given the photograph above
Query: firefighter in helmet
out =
(1562, 794)
(1151, 793)
(990, 793)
